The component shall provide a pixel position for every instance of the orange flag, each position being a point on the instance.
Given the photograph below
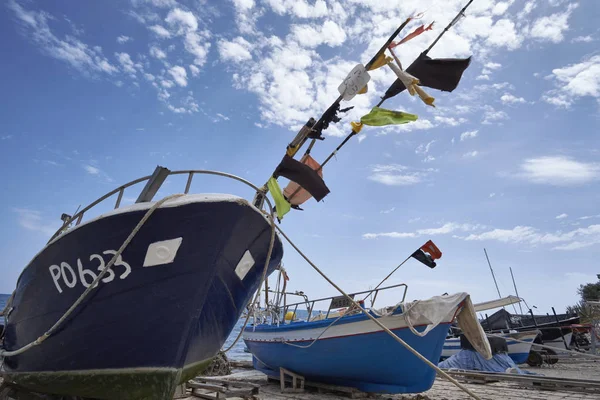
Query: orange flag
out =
(413, 35)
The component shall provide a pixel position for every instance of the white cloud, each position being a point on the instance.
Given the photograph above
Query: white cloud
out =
(237, 50)
(471, 154)
(123, 39)
(181, 21)
(468, 135)
(91, 169)
(552, 27)
(69, 49)
(451, 121)
(583, 39)
(492, 195)
(491, 115)
(424, 148)
(445, 229)
(198, 44)
(504, 34)
(157, 53)
(244, 5)
(574, 81)
(32, 220)
(308, 35)
(589, 217)
(508, 98)
(387, 211)
(126, 62)
(195, 70)
(492, 65)
(398, 175)
(572, 240)
(160, 31)
(179, 75)
(562, 216)
(299, 8)
(558, 170)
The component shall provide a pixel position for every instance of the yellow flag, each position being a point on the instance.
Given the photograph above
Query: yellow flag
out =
(281, 204)
(380, 62)
(381, 116)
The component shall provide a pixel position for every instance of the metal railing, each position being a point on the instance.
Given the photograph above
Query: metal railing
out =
(310, 304)
(154, 183)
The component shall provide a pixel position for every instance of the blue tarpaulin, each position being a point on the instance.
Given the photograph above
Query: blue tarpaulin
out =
(473, 361)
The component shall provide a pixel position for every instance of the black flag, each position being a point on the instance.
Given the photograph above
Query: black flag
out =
(303, 175)
(437, 73)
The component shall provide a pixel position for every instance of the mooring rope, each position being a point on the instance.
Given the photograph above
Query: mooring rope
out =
(387, 330)
(39, 340)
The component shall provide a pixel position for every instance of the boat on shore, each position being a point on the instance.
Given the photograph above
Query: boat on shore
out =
(519, 345)
(160, 314)
(344, 347)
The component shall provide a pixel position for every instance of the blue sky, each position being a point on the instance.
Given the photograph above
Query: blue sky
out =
(96, 96)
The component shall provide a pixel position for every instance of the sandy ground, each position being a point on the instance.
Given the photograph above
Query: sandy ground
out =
(444, 390)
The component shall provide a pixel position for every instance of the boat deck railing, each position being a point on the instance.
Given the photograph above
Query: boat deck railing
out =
(153, 184)
(335, 302)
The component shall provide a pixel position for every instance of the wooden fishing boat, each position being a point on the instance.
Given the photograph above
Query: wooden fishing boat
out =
(349, 349)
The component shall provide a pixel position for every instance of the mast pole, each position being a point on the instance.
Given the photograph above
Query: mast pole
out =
(492, 271)
(516, 291)
(454, 21)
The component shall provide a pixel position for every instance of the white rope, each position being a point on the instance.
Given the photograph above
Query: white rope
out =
(39, 340)
(389, 332)
(317, 338)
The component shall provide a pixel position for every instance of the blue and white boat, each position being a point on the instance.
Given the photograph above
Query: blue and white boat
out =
(348, 349)
(518, 343)
(158, 316)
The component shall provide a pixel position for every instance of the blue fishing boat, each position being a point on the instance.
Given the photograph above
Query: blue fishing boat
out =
(344, 347)
(160, 314)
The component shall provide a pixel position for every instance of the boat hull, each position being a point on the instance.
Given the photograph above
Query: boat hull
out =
(356, 353)
(152, 323)
(517, 351)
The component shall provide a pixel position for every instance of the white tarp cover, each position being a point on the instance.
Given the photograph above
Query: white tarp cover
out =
(440, 309)
(505, 301)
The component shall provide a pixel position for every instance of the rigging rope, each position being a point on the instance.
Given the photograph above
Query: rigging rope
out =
(387, 330)
(93, 285)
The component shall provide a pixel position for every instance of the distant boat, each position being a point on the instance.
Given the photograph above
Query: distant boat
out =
(162, 312)
(350, 350)
(517, 350)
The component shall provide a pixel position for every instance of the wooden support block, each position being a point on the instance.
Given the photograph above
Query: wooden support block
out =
(296, 379)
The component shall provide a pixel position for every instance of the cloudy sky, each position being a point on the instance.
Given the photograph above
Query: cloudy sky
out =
(96, 96)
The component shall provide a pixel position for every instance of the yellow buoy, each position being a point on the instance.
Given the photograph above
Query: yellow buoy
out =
(289, 316)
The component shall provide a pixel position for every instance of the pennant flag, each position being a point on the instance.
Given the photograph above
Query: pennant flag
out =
(381, 116)
(281, 205)
(427, 254)
(294, 193)
(304, 176)
(412, 35)
(439, 73)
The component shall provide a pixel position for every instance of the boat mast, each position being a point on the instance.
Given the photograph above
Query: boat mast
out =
(516, 291)
(492, 271)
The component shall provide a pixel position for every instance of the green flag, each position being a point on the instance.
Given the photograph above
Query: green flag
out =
(281, 204)
(381, 116)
